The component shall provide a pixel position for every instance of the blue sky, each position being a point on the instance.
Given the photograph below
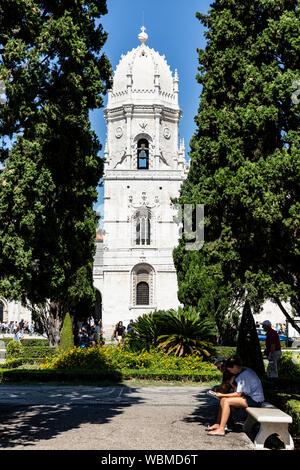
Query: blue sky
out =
(174, 31)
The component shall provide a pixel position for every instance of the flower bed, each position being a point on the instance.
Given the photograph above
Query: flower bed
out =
(111, 358)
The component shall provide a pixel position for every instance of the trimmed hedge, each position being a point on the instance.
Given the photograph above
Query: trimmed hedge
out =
(41, 376)
(40, 352)
(28, 341)
(19, 375)
(284, 391)
(12, 363)
(35, 342)
(285, 394)
(27, 354)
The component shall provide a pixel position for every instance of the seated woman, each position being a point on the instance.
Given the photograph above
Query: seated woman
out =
(248, 392)
(227, 379)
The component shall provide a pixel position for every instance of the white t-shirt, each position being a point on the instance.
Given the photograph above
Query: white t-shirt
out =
(249, 384)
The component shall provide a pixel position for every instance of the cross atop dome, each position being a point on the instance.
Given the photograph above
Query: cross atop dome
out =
(143, 37)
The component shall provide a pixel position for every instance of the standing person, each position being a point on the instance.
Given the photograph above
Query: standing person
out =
(120, 331)
(11, 327)
(97, 330)
(273, 349)
(21, 325)
(129, 327)
(18, 335)
(248, 392)
(92, 337)
(114, 335)
(31, 329)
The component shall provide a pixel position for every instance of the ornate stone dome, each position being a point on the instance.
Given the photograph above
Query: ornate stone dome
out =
(144, 71)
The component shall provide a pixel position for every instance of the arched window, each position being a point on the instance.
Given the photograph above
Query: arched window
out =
(143, 154)
(142, 293)
(143, 227)
(142, 285)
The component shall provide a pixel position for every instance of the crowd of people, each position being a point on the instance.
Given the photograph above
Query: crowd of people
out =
(25, 327)
(89, 333)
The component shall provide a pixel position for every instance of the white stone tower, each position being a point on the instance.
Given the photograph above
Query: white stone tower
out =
(144, 168)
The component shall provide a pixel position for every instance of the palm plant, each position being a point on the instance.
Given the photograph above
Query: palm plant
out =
(146, 328)
(186, 333)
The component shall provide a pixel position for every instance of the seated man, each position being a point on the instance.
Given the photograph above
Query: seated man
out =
(247, 392)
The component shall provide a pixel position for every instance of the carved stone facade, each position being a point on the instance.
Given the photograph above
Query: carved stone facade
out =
(13, 311)
(144, 169)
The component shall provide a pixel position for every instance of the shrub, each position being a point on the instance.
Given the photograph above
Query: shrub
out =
(110, 358)
(178, 332)
(289, 365)
(186, 333)
(146, 328)
(79, 358)
(66, 335)
(14, 350)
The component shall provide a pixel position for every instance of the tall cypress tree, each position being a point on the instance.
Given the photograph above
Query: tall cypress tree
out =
(54, 73)
(248, 347)
(245, 153)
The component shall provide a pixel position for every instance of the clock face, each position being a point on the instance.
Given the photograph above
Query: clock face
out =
(167, 133)
(119, 132)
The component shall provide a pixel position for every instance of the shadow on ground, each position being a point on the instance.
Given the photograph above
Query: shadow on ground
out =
(207, 412)
(24, 425)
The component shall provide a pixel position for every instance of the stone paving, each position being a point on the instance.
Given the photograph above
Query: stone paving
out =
(111, 418)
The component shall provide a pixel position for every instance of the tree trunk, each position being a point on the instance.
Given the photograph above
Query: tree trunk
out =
(53, 330)
(289, 318)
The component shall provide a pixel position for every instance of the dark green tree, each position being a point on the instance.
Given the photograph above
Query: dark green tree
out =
(54, 73)
(245, 155)
(248, 346)
(202, 286)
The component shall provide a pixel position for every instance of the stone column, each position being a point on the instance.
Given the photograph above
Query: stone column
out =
(157, 116)
(128, 115)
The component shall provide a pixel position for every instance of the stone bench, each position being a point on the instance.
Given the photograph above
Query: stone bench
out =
(272, 421)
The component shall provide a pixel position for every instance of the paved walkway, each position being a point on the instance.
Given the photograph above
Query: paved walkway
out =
(111, 418)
